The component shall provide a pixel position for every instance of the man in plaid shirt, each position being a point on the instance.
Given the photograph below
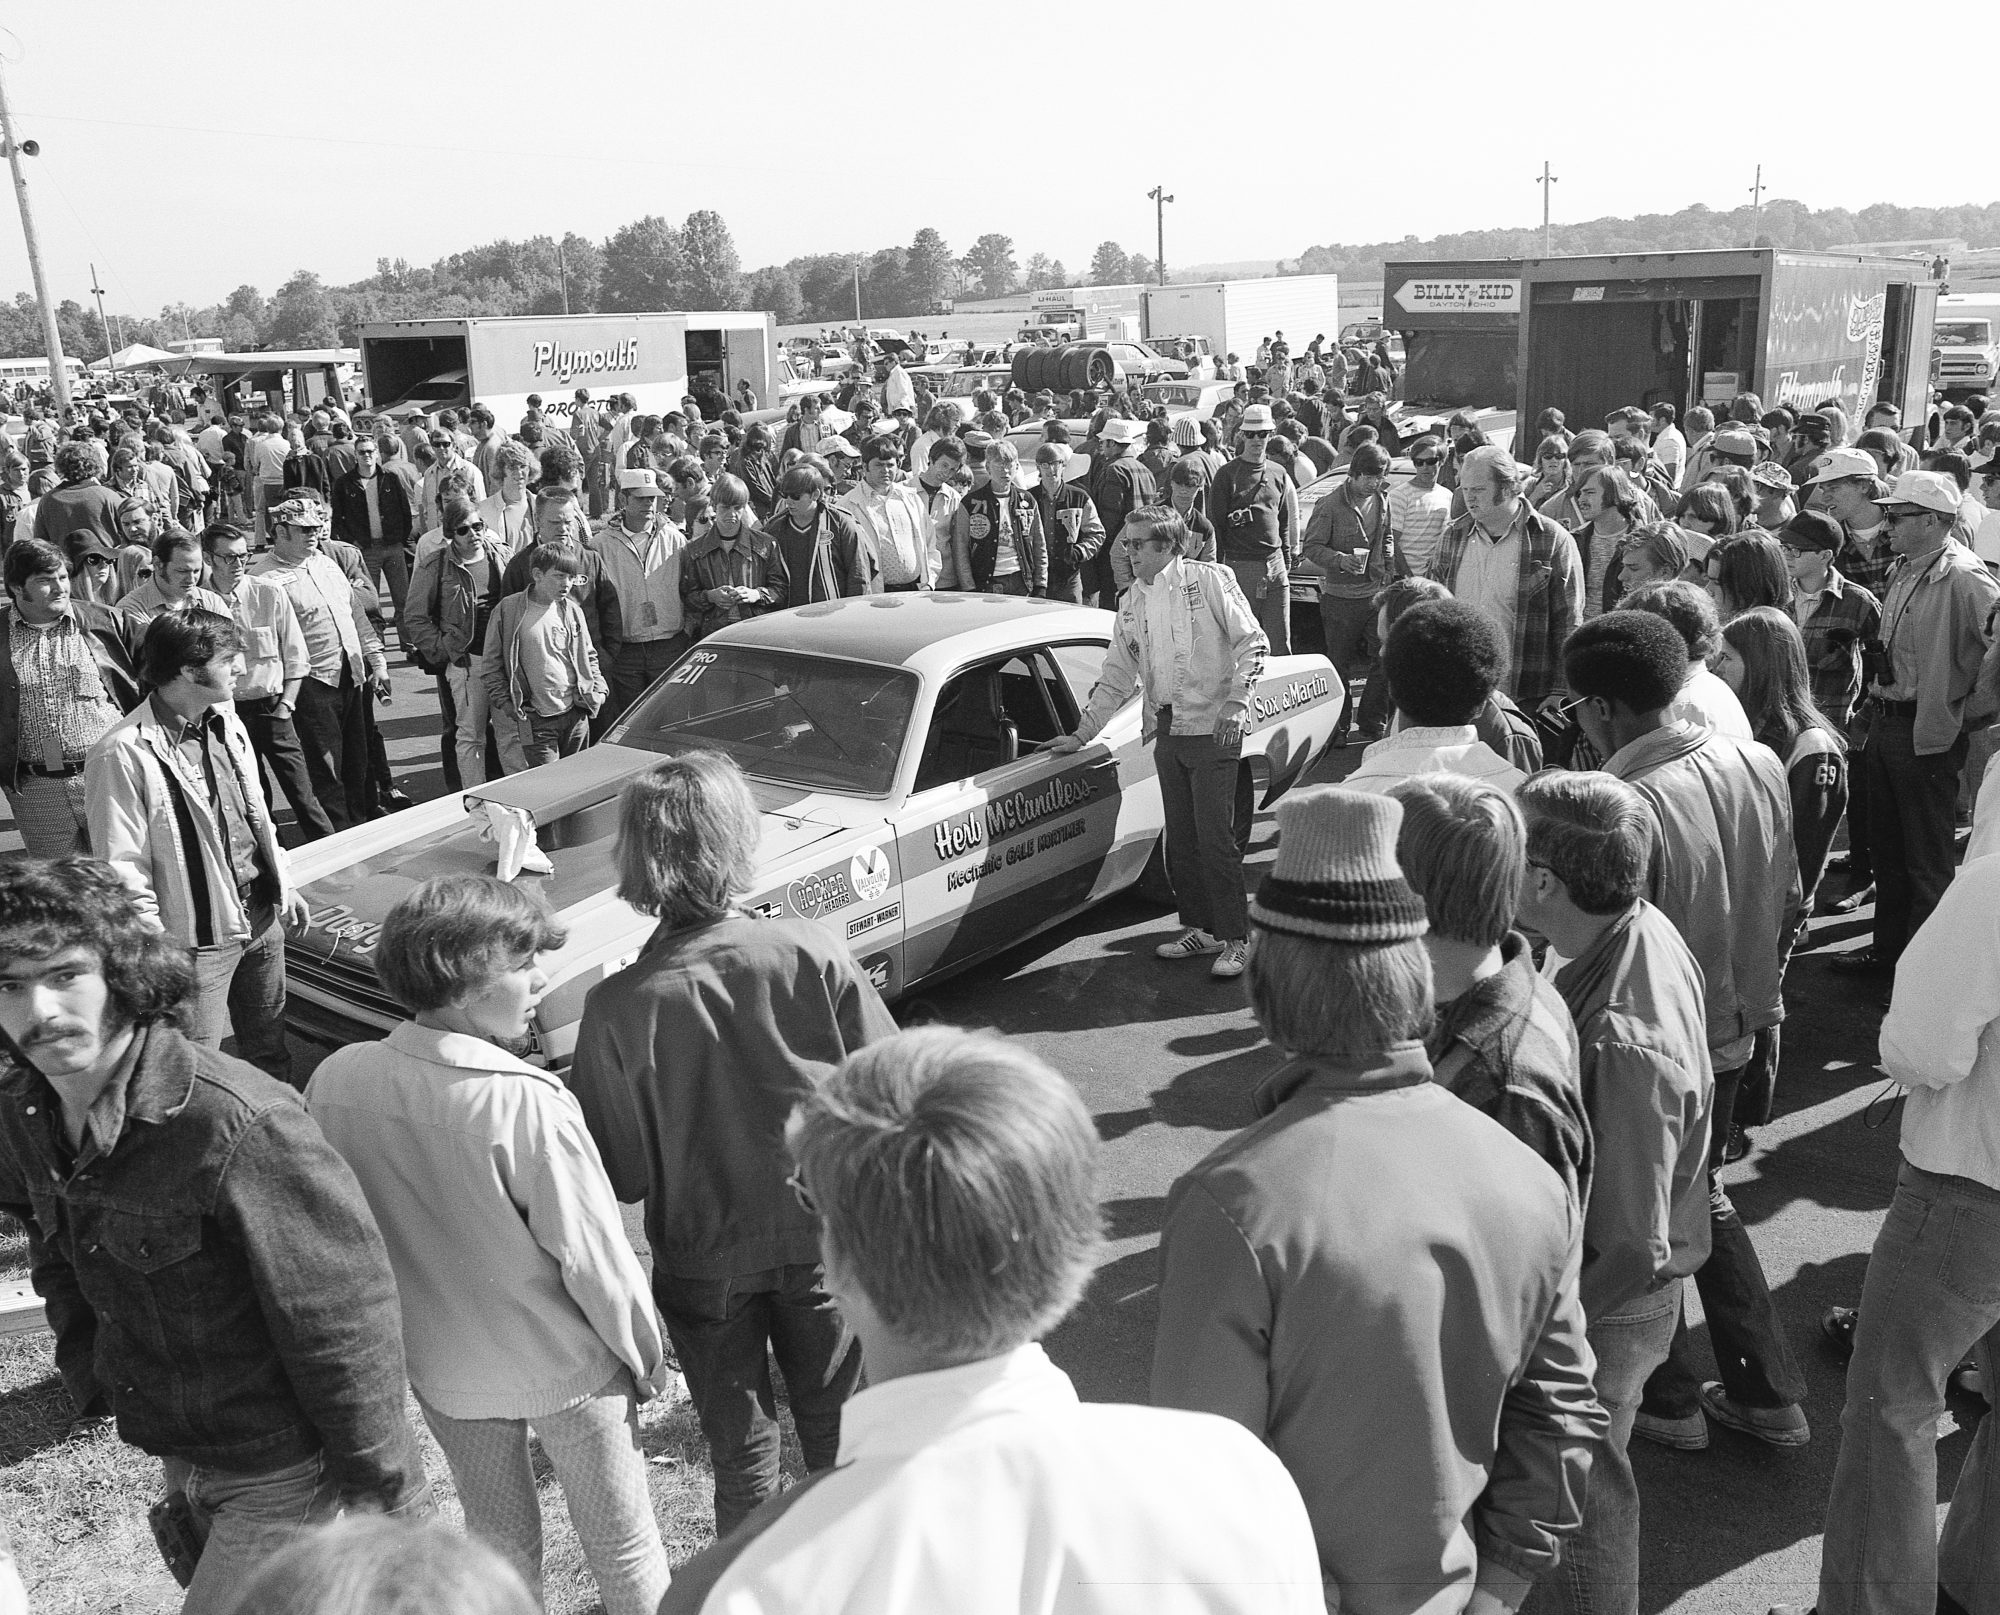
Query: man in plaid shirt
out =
(1518, 567)
(1834, 613)
(1845, 484)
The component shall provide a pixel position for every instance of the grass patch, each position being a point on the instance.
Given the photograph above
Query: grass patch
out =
(75, 1503)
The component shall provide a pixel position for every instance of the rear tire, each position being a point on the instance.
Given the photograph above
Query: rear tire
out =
(1026, 367)
(1074, 368)
(1100, 369)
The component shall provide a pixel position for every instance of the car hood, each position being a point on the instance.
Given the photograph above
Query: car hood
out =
(351, 880)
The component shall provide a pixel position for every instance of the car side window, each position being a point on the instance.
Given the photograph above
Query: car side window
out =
(1037, 699)
(1080, 663)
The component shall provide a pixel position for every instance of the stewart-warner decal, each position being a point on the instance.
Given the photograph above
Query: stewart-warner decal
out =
(956, 837)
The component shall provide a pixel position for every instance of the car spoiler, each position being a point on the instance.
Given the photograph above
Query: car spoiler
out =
(568, 785)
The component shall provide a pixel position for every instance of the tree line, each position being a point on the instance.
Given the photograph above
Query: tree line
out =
(650, 263)
(653, 263)
(1782, 223)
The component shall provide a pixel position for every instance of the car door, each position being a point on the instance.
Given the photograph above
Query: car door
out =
(999, 837)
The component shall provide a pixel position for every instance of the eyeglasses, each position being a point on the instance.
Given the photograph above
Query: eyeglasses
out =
(802, 1194)
(476, 525)
(440, 442)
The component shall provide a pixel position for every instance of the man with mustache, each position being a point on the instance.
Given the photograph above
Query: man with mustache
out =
(211, 1271)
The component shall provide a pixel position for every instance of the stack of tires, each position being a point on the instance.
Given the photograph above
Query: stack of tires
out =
(1074, 366)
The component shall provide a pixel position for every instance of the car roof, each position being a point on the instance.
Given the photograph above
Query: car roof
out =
(930, 633)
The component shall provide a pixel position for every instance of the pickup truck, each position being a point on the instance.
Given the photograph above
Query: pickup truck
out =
(1968, 356)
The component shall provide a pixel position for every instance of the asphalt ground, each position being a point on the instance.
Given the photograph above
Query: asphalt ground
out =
(1167, 1058)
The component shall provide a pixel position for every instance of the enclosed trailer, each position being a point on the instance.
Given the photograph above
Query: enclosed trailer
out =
(657, 358)
(1236, 315)
(1594, 333)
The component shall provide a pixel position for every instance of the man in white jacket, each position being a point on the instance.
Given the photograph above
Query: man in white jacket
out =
(1188, 638)
(1932, 1294)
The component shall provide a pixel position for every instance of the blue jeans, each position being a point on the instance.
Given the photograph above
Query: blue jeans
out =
(250, 1517)
(1932, 1294)
(725, 1332)
(1599, 1573)
(245, 982)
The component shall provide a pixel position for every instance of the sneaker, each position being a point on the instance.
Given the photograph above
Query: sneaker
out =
(1776, 1427)
(1193, 943)
(1684, 1435)
(1229, 965)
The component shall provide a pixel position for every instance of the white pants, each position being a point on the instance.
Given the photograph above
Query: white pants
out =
(468, 694)
(594, 1449)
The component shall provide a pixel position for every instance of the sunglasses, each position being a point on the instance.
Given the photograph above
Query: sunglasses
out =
(1429, 459)
(476, 525)
(440, 442)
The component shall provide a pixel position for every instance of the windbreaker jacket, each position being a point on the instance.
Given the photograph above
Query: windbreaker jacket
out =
(521, 1293)
(1945, 617)
(500, 666)
(211, 1269)
(1725, 869)
(1218, 653)
(1648, 1087)
(141, 812)
(1382, 1284)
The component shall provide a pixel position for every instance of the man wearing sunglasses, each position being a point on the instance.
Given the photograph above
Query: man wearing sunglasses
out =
(344, 654)
(1254, 509)
(451, 600)
(1420, 508)
(445, 458)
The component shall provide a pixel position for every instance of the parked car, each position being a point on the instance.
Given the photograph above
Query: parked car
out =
(1201, 399)
(895, 746)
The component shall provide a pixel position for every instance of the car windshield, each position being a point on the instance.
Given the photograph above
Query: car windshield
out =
(966, 384)
(1963, 334)
(800, 720)
(1168, 392)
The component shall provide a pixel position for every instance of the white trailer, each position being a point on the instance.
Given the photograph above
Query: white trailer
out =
(1235, 315)
(657, 358)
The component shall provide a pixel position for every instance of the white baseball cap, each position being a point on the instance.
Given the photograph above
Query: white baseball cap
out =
(1928, 490)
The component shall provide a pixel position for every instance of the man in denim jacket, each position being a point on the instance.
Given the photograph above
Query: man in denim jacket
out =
(1186, 635)
(210, 1268)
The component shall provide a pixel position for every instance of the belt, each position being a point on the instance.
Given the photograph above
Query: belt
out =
(912, 587)
(1900, 709)
(67, 771)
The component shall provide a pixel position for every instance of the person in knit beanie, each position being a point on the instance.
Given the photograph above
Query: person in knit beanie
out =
(1374, 1277)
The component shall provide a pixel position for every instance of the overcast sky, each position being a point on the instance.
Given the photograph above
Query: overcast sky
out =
(191, 146)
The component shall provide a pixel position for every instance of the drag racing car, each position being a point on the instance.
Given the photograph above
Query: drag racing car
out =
(896, 745)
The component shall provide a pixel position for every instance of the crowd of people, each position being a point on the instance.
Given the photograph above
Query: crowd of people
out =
(1522, 973)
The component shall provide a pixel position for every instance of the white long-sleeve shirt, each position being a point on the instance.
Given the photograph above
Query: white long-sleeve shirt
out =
(1942, 1035)
(990, 1489)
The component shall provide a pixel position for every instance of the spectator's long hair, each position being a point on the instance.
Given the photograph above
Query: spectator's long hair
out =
(47, 905)
(1777, 684)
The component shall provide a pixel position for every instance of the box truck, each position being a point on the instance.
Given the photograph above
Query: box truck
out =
(1590, 334)
(1236, 315)
(657, 358)
(1059, 314)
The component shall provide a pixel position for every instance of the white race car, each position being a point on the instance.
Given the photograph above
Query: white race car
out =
(895, 743)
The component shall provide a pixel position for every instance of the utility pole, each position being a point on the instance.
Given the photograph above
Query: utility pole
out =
(562, 270)
(1160, 201)
(1757, 205)
(857, 290)
(110, 353)
(1547, 179)
(51, 335)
